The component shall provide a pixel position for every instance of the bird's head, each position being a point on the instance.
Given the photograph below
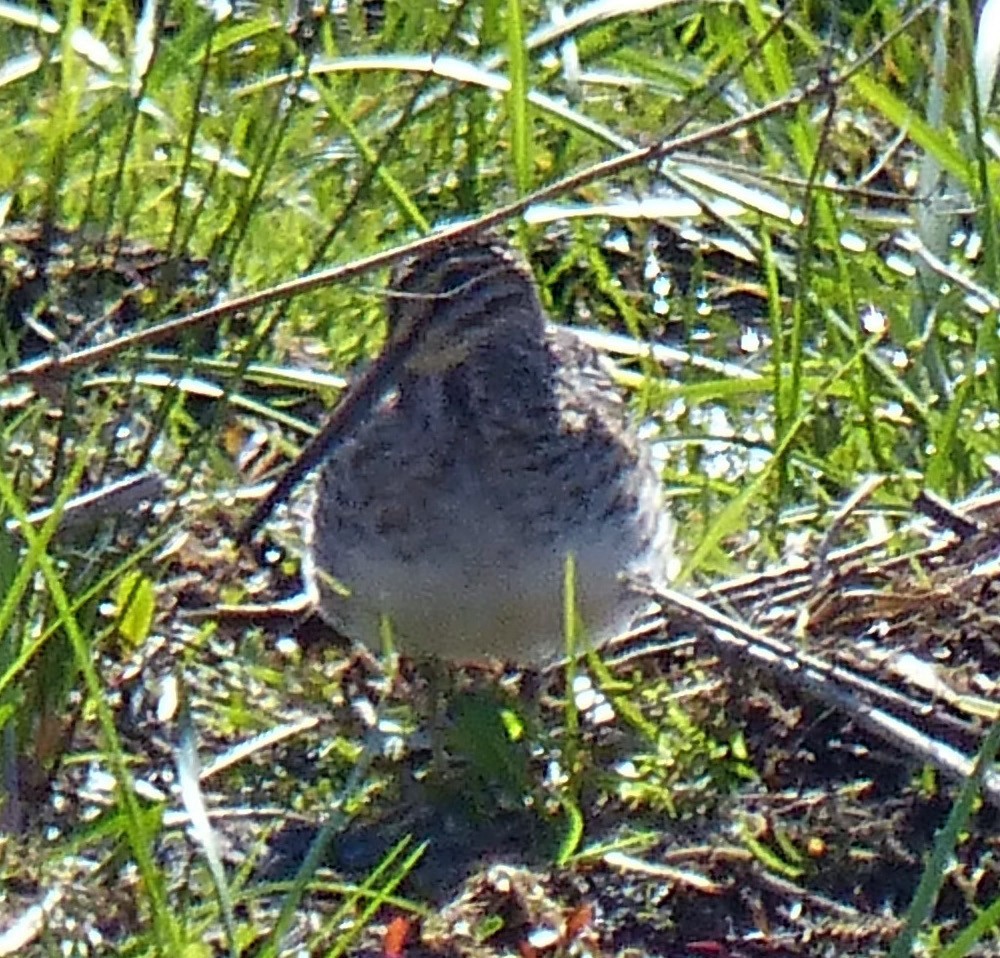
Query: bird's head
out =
(444, 304)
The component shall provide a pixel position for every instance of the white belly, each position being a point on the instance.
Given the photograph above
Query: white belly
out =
(482, 605)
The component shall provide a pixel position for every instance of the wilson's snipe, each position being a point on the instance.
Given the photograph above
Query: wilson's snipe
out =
(498, 445)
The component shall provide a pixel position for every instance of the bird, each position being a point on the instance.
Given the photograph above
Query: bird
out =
(493, 446)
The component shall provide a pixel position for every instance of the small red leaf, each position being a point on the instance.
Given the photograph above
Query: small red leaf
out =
(395, 937)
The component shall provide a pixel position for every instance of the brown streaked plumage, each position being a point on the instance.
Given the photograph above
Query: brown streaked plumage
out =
(498, 445)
